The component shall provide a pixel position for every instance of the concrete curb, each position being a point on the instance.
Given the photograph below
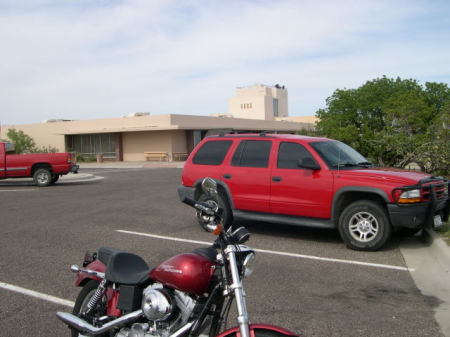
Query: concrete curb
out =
(438, 245)
(79, 178)
(430, 259)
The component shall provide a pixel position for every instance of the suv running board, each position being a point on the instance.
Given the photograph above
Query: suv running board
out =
(283, 219)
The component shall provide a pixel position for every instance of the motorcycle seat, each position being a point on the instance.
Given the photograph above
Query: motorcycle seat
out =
(124, 268)
(105, 253)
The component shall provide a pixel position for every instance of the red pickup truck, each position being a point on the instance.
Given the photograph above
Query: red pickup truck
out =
(44, 168)
(316, 182)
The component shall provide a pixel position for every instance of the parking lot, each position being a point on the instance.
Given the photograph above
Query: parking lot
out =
(305, 279)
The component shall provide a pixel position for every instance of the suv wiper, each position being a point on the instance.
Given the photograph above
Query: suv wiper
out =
(366, 164)
(345, 165)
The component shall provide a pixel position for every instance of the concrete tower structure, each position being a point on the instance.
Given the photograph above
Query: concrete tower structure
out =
(259, 102)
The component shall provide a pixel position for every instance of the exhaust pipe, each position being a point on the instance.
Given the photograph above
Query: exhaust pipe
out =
(83, 326)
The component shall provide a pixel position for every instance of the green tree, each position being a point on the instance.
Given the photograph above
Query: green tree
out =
(434, 154)
(392, 122)
(22, 142)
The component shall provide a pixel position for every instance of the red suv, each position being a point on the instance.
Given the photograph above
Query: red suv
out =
(316, 182)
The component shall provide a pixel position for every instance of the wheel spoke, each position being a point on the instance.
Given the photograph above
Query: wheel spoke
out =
(359, 216)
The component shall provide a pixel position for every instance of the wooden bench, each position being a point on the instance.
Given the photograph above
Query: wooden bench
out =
(156, 155)
(179, 156)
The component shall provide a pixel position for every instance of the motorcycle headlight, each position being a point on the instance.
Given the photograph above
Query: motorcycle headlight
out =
(247, 265)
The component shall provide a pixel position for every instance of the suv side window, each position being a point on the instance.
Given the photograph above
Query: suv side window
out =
(252, 153)
(289, 155)
(212, 152)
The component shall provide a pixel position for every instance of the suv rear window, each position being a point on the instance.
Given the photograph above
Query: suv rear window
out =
(212, 152)
(252, 153)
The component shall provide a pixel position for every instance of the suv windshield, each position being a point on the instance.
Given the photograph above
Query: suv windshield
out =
(339, 155)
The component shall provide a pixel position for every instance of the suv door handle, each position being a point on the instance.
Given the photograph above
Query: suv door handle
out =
(227, 176)
(277, 179)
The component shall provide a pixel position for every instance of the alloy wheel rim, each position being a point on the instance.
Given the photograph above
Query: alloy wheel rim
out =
(363, 226)
(42, 178)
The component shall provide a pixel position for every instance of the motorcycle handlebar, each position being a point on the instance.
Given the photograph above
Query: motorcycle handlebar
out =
(189, 201)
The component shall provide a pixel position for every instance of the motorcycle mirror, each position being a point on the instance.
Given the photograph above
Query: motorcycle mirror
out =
(209, 186)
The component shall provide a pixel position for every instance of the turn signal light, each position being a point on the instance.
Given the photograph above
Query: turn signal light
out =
(408, 201)
(218, 229)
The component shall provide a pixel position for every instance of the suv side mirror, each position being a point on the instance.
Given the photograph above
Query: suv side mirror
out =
(308, 163)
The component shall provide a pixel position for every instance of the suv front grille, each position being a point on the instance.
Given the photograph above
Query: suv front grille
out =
(440, 190)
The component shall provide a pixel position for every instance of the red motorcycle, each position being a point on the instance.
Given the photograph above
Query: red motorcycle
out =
(186, 296)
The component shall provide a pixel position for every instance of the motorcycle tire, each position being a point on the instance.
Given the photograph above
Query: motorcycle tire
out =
(263, 333)
(81, 302)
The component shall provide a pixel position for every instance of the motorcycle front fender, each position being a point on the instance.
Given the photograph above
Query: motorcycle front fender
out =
(255, 328)
(83, 278)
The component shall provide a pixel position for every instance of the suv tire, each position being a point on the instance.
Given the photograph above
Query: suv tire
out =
(223, 203)
(364, 225)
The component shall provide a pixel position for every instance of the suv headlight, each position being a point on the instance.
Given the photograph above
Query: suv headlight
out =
(409, 197)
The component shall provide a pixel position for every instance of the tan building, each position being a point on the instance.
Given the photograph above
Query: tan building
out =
(259, 102)
(127, 138)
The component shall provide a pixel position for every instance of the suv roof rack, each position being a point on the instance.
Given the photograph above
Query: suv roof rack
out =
(231, 132)
(265, 132)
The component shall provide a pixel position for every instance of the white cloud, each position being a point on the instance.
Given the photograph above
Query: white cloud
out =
(93, 59)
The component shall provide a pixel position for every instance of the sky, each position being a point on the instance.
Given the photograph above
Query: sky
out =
(89, 59)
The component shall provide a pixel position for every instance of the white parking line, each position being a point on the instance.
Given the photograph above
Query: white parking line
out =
(273, 252)
(22, 190)
(32, 293)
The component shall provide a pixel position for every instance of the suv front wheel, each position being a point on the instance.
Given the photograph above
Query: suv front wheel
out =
(364, 225)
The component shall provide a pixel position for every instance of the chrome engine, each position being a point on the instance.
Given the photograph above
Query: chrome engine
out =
(165, 309)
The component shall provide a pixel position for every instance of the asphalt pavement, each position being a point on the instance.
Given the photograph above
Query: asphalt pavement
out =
(304, 280)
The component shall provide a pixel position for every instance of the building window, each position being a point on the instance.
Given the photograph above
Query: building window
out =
(275, 107)
(90, 145)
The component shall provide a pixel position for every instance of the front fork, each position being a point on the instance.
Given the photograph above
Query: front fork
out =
(239, 294)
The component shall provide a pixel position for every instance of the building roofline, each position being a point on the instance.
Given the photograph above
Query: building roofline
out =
(164, 123)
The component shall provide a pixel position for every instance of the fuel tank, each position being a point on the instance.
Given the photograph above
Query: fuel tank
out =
(190, 273)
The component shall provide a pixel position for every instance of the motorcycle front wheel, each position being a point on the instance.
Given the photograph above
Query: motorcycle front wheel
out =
(81, 303)
(262, 333)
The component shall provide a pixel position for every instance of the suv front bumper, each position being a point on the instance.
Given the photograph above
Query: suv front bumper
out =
(418, 215)
(74, 168)
(184, 191)
(421, 215)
